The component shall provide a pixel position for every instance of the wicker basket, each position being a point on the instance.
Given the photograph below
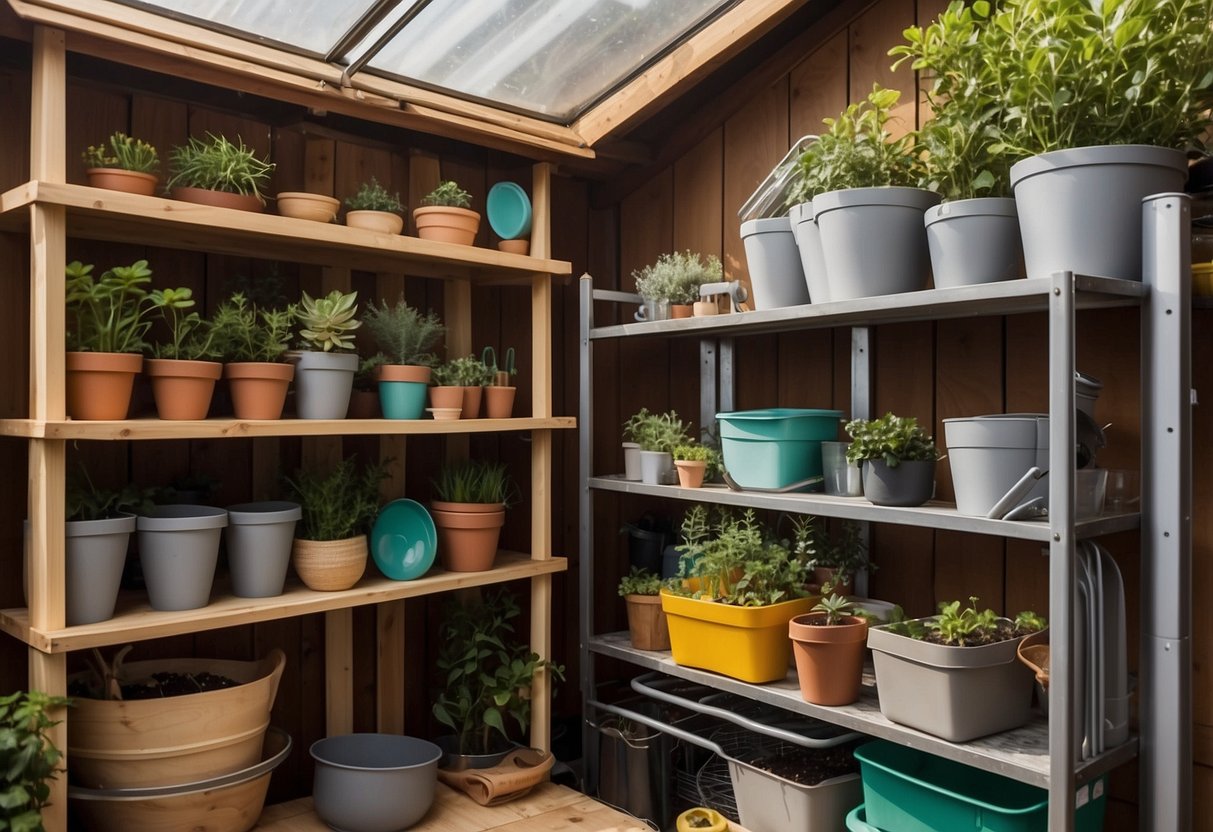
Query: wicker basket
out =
(330, 565)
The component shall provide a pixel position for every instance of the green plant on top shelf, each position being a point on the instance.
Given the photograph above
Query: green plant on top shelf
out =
(893, 439)
(474, 481)
(328, 323)
(124, 153)
(372, 196)
(656, 431)
(467, 371)
(29, 760)
(449, 195)
(240, 331)
(677, 276)
(108, 314)
(834, 607)
(639, 582)
(190, 333)
(402, 333)
(216, 164)
(340, 504)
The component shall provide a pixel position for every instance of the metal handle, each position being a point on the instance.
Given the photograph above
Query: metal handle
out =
(657, 725)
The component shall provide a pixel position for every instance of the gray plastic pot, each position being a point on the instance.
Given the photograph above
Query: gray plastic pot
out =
(656, 467)
(1080, 209)
(179, 547)
(96, 553)
(323, 382)
(259, 537)
(812, 260)
(955, 693)
(873, 240)
(989, 454)
(374, 782)
(974, 241)
(631, 461)
(776, 275)
(911, 483)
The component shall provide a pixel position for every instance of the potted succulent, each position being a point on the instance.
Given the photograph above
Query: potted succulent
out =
(486, 680)
(253, 342)
(107, 322)
(469, 511)
(647, 625)
(500, 391)
(122, 164)
(898, 459)
(829, 644)
(406, 339)
(954, 675)
(655, 435)
(695, 463)
(183, 381)
(675, 280)
(375, 208)
(219, 173)
(469, 375)
(29, 760)
(330, 547)
(445, 215)
(326, 363)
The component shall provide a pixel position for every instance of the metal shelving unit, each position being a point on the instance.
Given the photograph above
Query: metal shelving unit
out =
(1042, 753)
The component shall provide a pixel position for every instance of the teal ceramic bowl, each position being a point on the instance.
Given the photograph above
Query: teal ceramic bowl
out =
(404, 540)
(509, 210)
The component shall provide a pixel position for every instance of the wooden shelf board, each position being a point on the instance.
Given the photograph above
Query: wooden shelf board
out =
(135, 620)
(130, 429)
(1022, 754)
(99, 214)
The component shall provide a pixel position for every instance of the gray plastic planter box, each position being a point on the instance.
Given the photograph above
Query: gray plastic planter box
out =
(955, 693)
(767, 801)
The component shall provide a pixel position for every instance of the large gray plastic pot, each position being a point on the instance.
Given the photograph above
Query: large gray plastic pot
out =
(766, 801)
(179, 548)
(96, 553)
(1080, 209)
(812, 260)
(989, 454)
(776, 275)
(956, 693)
(911, 483)
(323, 382)
(374, 782)
(259, 537)
(974, 241)
(656, 467)
(873, 240)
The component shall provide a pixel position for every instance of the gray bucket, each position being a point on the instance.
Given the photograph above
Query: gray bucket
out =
(989, 454)
(179, 548)
(323, 382)
(776, 275)
(910, 484)
(873, 240)
(374, 782)
(259, 537)
(1080, 209)
(96, 553)
(974, 241)
(812, 260)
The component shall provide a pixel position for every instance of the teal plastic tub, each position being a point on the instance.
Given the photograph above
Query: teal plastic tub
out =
(905, 790)
(776, 447)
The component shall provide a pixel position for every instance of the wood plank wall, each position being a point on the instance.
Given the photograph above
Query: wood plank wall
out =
(931, 370)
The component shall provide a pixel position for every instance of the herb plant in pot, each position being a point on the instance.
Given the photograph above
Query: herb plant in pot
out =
(647, 625)
(469, 511)
(829, 645)
(182, 381)
(670, 287)
(897, 457)
(375, 208)
(29, 760)
(832, 560)
(253, 343)
(406, 339)
(325, 366)
(656, 435)
(219, 173)
(123, 164)
(694, 463)
(469, 375)
(445, 216)
(338, 508)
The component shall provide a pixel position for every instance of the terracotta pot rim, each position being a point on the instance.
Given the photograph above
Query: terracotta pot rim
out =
(247, 202)
(691, 463)
(466, 508)
(182, 368)
(460, 520)
(259, 369)
(412, 373)
(327, 200)
(137, 174)
(852, 629)
(423, 210)
(642, 599)
(113, 362)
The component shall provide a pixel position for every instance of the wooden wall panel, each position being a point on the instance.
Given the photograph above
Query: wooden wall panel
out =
(871, 37)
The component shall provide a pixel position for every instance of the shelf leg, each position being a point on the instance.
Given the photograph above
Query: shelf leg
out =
(708, 387)
(861, 408)
(339, 672)
(389, 679)
(728, 387)
(48, 673)
(585, 509)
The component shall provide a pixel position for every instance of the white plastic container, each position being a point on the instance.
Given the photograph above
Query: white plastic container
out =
(989, 454)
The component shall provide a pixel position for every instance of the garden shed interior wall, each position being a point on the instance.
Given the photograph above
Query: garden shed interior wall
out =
(691, 170)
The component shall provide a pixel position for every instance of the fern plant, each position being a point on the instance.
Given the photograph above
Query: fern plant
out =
(403, 334)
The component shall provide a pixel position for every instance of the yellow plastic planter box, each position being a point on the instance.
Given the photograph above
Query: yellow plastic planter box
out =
(747, 643)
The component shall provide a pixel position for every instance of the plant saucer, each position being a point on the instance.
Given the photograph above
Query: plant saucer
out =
(404, 541)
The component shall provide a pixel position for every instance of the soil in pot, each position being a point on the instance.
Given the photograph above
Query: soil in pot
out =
(164, 684)
(806, 766)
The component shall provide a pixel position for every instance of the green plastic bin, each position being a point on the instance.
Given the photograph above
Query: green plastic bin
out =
(911, 791)
(775, 447)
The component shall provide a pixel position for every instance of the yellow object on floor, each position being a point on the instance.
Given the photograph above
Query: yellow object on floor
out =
(702, 820)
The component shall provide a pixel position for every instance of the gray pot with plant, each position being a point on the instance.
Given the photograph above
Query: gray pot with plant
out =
(220, 173)
(375, 208)
(253, 343)
(179, 549)
(670, 287)
(657, 434)
(325, 367)
(406, 339)
(898, 459)
(259, 537)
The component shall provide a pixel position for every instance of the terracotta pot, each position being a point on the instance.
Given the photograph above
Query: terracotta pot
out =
(182, 389)
(829, 658)
(305, 206)
(691, 472)
(258, 388)
(823, 575)
(330, 565)
(468, 534)
(703, 308)
(447, 397)
(99, 384)
(364, 404)
(127, 181)
(499, 402)
(471, 402)
(681, 310)
(219, 199)
(647, 623)
(446, 225)
(404, 372)
(445, 414)
(381, 222)
(514, 246)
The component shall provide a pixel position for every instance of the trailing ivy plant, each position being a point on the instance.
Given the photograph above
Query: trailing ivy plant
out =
(639, 582)
(29, 761)
(892, 439)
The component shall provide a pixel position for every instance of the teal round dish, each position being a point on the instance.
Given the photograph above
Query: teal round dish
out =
(404, 540)
(509, 210)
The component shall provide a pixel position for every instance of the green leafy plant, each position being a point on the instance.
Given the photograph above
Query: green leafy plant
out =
(656, 431)
(86, 501)
(468, 371)
(240, 331)
(328, 322)
(677, 276)
(846, 554)
(893, 439)
(486, 678)
(449, 195)
(217, 164)
(124, 153)
(834, 607)
(402, 333)
(738, 563)
(372, 196)
(474, 481)
(1029, 622)
(340, 504)
(29, 761)
(107, 314)
(639, 582)
(694, 452)
(967, 626)
(190, 333)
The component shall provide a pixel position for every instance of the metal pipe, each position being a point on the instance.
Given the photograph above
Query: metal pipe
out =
(585, 566)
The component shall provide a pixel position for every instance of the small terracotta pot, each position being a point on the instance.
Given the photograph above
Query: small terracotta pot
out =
(381, 222)
(829, 659)
(404, 372)
(99, 384)
(447, 397)
(258, 388)
(499, 402)
(364, 404)
(330, 565)
(823, 575)
(219, 199)
(468, 534)
(471, 402)
(446, 225)
(182, 389)
(703, 308)
(127, 181)
(514, 246)
(647, 622)
(691, 472)
(304, 206)
(444, 414)
(681, 310)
